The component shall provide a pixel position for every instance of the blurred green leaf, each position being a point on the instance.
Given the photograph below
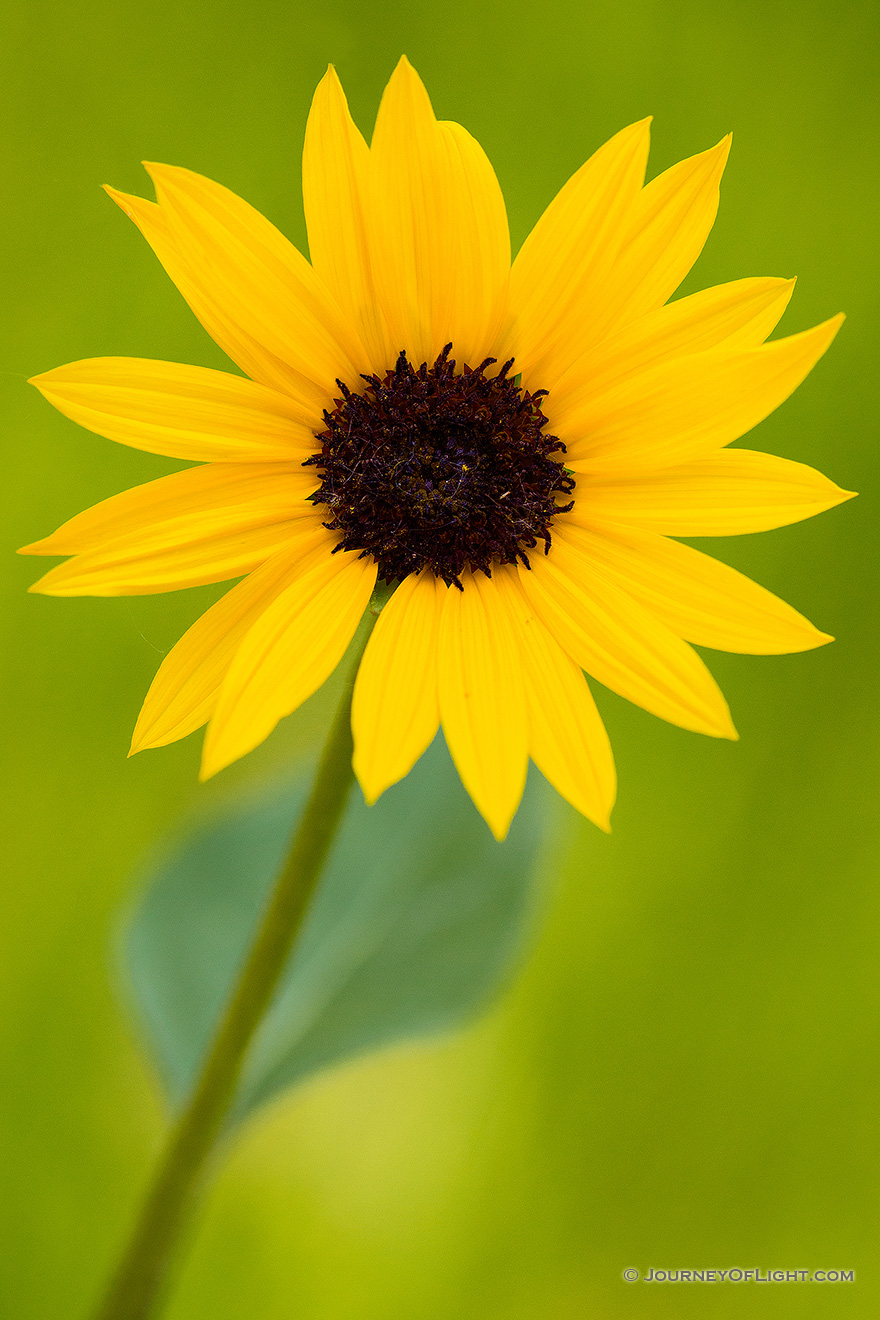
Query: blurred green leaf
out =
(415, 923)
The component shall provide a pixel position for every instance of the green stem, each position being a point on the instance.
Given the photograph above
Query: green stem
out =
(136, 1287)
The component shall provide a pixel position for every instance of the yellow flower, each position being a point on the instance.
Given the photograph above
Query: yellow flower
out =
(514, 445)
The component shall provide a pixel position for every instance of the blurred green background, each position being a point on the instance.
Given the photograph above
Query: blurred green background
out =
(684, 1074)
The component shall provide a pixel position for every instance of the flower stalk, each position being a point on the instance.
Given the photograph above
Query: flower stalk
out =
(137, 1287)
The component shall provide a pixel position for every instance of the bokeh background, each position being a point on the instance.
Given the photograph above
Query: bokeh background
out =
(684, 1072)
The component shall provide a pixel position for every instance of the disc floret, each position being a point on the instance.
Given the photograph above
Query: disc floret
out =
(426, 468)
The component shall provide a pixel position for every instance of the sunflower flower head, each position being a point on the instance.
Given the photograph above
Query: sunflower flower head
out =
(510, 448)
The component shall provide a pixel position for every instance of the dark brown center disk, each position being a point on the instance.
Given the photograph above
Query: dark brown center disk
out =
(424, 468)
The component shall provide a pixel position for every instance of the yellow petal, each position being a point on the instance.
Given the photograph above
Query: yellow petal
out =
(622, 644)
(395, 711)
(134, 568)
(438, 229)
(702, 600)
(567, 739)
(563, 267)
(263, 282)
(244, 350)
(181, 411)
(184, 692)
(221, 495)
(738, 315)
(172, 550)
(482, 699)
(335, 181)
(666, 228)
(683, 409)
(726, 493)
(287, 654)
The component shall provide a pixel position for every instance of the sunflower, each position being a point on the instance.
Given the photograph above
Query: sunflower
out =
(507, 448)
